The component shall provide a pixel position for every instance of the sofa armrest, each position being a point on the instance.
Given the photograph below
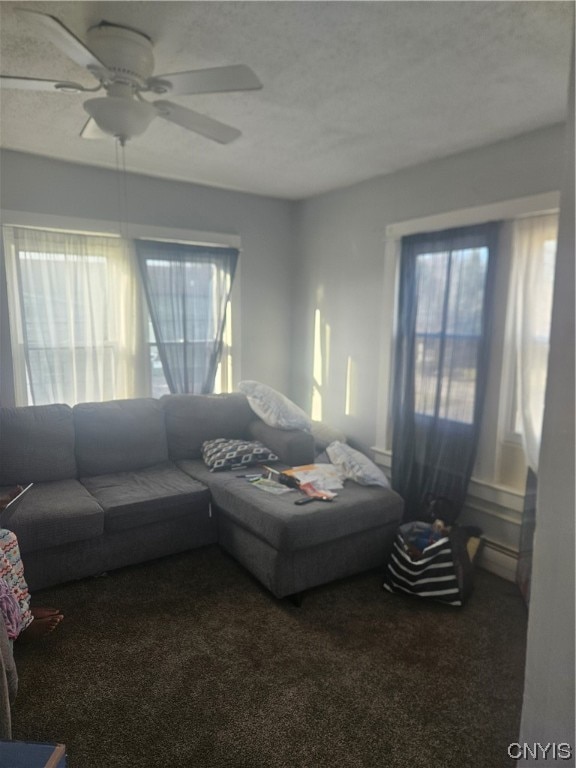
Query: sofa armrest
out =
(292, 446)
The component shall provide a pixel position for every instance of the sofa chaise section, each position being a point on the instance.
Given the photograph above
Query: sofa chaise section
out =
(291, 548)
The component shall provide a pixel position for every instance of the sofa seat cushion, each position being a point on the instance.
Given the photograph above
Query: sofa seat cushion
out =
(56, 513)
(150, 495)
(289, 527)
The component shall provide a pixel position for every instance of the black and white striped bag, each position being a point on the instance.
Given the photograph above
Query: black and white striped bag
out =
(440, 571)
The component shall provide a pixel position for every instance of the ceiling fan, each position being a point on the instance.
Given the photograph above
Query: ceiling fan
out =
(122, 60)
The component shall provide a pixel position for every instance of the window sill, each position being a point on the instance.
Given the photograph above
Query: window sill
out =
(504, 495)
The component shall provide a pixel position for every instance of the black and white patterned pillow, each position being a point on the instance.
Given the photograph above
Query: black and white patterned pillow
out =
(223, 454)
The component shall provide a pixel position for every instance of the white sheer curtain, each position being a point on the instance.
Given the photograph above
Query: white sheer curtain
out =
(77, 330)
(534, 252)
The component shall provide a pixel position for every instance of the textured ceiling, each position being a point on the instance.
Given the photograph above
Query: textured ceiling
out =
(351, 90)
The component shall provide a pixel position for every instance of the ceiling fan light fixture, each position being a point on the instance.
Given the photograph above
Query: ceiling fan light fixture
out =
(121, 59)
(120, 117)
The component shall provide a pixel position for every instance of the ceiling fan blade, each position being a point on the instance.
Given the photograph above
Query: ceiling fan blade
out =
(38, 84)
(215, 80)
(91, 131)
(66, 40)
(194, 121)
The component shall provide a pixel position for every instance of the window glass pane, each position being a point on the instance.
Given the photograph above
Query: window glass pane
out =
(458, 387)
(450, 295)
(536, 334)
(426, 371)
(543, 306)
(431, 275)
(466, 296)
(77, 313)
(200, 283)
(187, 290)
(65, 279)
(158, 385)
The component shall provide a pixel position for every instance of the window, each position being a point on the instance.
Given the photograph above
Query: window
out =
(501, 459)
(529, 316)
(450, 288)
(446, 290)
(187, 290)
(80, 329)
(75, 316)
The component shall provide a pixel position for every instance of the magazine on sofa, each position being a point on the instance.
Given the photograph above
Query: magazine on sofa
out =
(300, 479)
(324, 477)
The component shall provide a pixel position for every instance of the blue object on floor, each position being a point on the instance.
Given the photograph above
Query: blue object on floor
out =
(26, 754)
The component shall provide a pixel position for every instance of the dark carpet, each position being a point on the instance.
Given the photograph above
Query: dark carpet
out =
(187, 662)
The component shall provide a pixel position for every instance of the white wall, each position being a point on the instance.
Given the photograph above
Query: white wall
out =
(42, 186)
(345, 271)
(341, 264)
(548, 711)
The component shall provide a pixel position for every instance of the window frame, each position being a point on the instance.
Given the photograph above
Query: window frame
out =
(499, 438)
(442, 335)
(223, 376)
(229, 370)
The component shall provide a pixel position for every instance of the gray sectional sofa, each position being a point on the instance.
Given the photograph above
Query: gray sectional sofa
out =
(122, 482)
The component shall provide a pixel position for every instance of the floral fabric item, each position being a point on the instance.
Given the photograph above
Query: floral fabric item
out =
(10, 611)
(12, 574)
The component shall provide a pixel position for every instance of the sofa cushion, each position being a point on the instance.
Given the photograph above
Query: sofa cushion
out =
(356, 466)
(293, 447)
(150, 495)
(37, 444)
(288, 527)
(274, 408)
(51, 514)
(119, 436)
(193, 419)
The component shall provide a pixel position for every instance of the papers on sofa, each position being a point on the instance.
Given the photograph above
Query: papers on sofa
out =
(324, 477)
(271, 486)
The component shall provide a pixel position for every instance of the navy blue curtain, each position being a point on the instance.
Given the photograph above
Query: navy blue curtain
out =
(441, 362)
(187, 290)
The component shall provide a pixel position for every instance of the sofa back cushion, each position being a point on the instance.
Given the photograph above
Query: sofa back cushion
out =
(36, 444)
(193, 419)
(119, 436)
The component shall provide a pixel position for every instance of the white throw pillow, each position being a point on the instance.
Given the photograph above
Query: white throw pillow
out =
(273, 408)
(354, 465)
